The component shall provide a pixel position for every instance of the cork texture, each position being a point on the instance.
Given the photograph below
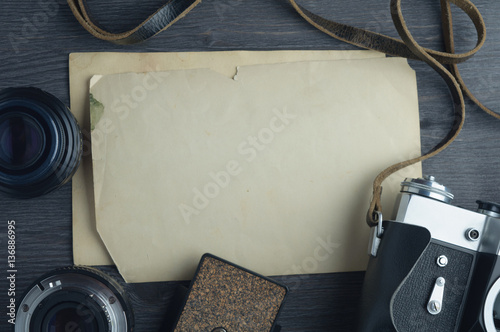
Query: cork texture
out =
(225, 296)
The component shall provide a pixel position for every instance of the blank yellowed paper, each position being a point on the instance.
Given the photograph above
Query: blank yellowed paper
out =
(270, 168)
(88, 248)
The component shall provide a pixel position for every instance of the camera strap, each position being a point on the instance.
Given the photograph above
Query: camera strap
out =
(409, 48)
(444, 63)
(160, 20)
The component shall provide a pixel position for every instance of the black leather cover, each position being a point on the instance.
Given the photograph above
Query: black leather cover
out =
(409, 304)
(399, 250)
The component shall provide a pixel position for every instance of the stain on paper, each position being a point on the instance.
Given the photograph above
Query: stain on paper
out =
(96, 111)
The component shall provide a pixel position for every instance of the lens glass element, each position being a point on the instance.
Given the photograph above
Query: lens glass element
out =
(72, 319)
(21, 141)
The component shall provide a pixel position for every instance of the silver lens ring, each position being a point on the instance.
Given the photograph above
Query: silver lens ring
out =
(489, 307)
(75, 298)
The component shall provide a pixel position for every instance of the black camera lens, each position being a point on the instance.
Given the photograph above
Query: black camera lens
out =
(68, 318)
(491, 308)
(75, 299)
(21, 141)
(40, 142)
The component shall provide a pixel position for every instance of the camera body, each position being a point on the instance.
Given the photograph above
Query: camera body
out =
(435, 267)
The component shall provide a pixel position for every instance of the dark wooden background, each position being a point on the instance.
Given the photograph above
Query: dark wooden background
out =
(36, 37)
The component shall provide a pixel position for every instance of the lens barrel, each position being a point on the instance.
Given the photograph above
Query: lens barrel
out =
(75, 298)
(40, 142)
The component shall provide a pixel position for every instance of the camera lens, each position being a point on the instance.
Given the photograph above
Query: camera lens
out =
(75, 299)
(491, 309)
(67, 318)
(40, 142)
(21, 141)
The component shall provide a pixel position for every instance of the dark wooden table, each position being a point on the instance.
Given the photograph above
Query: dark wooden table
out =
(36, 37)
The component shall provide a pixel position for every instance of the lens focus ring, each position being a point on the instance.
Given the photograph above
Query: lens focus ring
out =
(40, 142)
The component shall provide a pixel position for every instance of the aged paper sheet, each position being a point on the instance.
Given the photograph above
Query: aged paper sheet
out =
(270, 167)
(88, 248)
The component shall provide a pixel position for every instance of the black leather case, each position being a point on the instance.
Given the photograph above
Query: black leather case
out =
(399, 281)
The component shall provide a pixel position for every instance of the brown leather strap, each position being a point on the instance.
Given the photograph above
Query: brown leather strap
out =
(450, 47)
(392, 46)
(409, 48)
(164, 17)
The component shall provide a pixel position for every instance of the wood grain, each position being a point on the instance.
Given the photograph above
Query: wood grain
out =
(37, 36)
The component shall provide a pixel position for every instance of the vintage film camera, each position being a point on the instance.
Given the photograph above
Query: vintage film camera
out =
(435, 267)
